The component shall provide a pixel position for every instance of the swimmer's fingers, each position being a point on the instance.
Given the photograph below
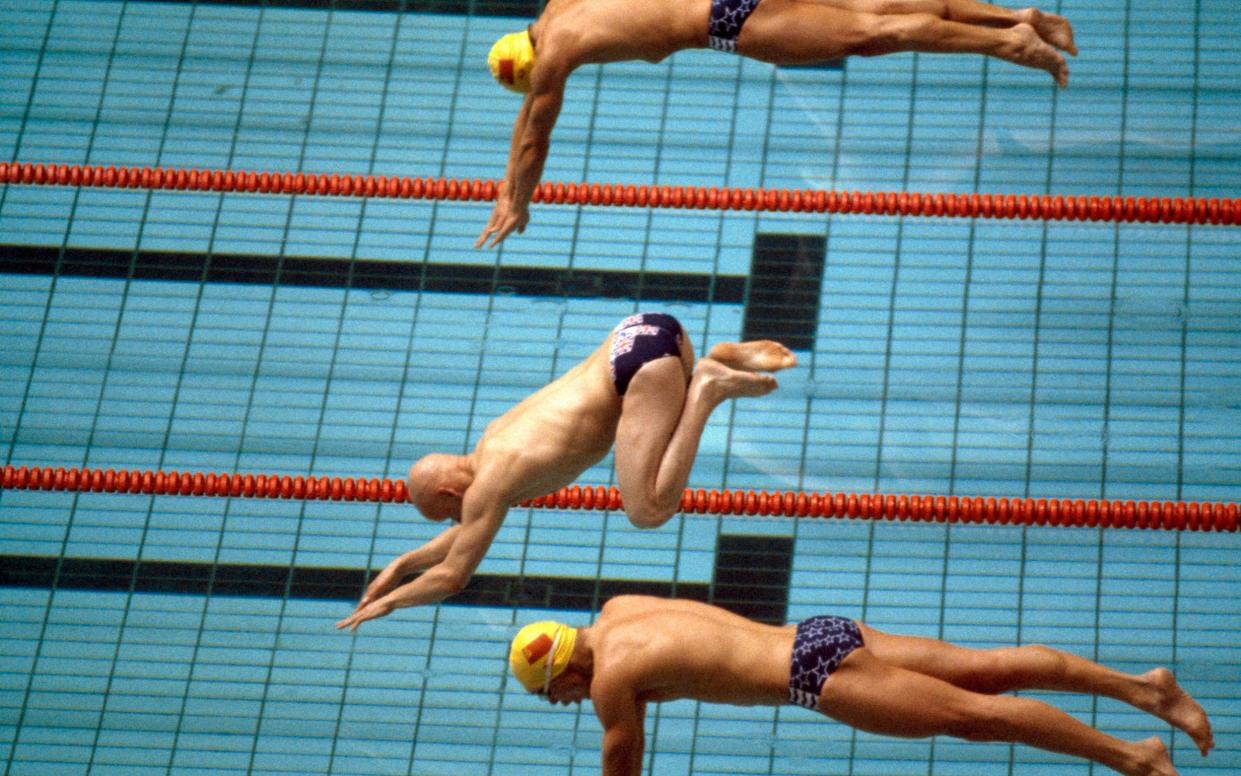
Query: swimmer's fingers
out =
(382, 583)
(369, 612)
(352, 622)
(514, 223)
(501, 233)
(497, 233)
(348, 621)
(364, 611)
(493, 224)
(482, 238)
(505, 219)
(371, 596)
(378, 588)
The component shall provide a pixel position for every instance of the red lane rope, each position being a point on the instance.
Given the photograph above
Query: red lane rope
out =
(1092, 513)
(1164, 210)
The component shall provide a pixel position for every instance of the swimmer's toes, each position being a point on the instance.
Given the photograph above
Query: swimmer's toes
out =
(730, 381)
(774, 356)
(788, 359)
(756, 356)
(1062, 38)
(1179, 709)
(1152, 757)
(753, 385)
(769, 384)
(1026, 48)
(1052, 28)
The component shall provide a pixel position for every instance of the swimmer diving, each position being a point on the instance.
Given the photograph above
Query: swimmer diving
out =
(537, 61)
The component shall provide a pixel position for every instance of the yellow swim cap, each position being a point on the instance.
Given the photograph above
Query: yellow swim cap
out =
(540, 653)
(511, 60)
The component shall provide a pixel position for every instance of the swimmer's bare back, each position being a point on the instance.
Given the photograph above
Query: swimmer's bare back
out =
(601, 31)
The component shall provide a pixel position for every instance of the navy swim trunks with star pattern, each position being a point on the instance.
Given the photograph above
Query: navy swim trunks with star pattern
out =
(819, 647)
(639, 340)
(727, 18)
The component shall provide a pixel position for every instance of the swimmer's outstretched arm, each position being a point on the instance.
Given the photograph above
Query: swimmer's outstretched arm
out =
(622, 716)
(480, 522)
(504, 193)
(413, 561)
(532, 137)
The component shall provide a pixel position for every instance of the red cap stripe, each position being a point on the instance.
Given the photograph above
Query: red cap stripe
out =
(537, 648)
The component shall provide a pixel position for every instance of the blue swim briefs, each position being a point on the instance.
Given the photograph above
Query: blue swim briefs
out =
(819, 647)
(639, 340)
(727, 19)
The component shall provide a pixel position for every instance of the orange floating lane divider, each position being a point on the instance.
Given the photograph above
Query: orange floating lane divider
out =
(989, 510)
(1036, 207)
(174, 483)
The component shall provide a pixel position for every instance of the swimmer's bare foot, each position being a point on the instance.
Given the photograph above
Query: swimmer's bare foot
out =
(1176, 707)
(1054, 29)
(1150, 758)
(718, 382)
(1028, 49)
(754, 356)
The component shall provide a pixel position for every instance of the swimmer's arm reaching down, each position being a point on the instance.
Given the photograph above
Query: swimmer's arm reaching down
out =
(413, 561)
(532, 136)
(481, 519)
(621, 714)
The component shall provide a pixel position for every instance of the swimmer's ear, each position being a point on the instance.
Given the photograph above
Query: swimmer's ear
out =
(445, 490)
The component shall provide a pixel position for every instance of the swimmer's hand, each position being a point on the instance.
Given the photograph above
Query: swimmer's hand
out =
(384, 582)
(506, 217)
(364, 612)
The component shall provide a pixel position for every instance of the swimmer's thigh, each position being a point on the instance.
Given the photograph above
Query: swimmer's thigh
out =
(650, 413)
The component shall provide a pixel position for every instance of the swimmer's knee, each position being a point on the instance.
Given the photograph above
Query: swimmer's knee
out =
(889, 34)
(650, 516)
(873, 40)
(936, 8)
(905, 7)
(646, 519)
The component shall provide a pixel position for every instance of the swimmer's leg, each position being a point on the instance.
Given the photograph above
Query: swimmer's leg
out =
(1037, 667)
(1052, 28)
(966, 11)
(661, 423)
(873, 695)
(792, 32)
